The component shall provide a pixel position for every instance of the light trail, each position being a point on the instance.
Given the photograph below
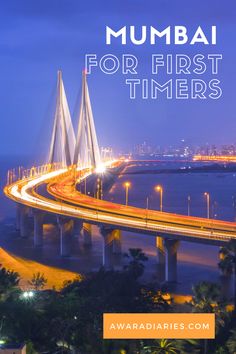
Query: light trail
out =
(218, 158)
(103, 212)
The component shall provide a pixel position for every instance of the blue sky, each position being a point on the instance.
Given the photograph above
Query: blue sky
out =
(39, 37)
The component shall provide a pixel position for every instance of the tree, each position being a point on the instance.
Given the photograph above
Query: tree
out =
(135, 266)
(105, 292)
(9, 281)
(228, 263)
(162, 346)
(206, 296)
(38, 281)
(207, 299)
(231, 342)
(221, 350)
(186, 346)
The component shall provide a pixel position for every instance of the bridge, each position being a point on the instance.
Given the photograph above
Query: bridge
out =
(75, 159)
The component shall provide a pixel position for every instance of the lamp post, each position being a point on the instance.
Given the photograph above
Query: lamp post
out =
(85, 184)
(147, 206)
(99, 193)
(189, 201)
(127, 185)
(147, 203)
(160, 190)
(207, 195)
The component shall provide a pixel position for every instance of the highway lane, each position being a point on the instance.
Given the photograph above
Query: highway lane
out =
(66, 191)
(77, 205)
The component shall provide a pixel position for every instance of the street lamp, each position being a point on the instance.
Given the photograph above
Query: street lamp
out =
(147, 203)
(85, 184)
(189, 200)
(160, 190)
(147, 206)
(127, 185)
(99, 193)
(207, 195)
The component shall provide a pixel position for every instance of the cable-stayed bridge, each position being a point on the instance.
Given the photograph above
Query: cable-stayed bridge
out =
(62, 145)
(82, 151)
(73, 158)
(86, 151)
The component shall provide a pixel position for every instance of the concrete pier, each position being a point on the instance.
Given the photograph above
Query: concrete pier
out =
(161, 258)
(117, 241)
(87, 233)
(160, 251)
(77, 227)
(38, 227)
(171, 247)
(24, 222)
(66, 228)
(225, 276)
(18, 212)
(108, 235)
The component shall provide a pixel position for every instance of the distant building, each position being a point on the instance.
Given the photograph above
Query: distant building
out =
(143, 149)
(13, 348)
(106, 153)
(184, 150)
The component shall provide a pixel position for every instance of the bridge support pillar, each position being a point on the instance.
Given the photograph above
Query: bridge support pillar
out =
(108, 235)
(38, 227)
(161, 258)
(160, 251)
(87, 233)
(18, 212)
(225, 277)
(222, 255)
(77, 228)
(171, 247)
(24, 222)
(65, 226)
(117, 241)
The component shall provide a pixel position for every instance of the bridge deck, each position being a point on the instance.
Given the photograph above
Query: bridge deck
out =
(74, 204)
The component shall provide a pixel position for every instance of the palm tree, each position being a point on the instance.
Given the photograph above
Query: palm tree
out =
(231, 342)
(9, 281)
(162, 346)
(38, 281)
(206, 296)
(207, 299)
(186, 346)
(136, 266)
(228, 263)
(221, 350)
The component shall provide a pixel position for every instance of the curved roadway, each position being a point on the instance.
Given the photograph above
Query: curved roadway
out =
(66, 200)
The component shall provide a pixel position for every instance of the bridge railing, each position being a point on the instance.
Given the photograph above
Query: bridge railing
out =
(17, 174)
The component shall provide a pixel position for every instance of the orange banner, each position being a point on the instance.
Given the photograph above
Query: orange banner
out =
(158, 325)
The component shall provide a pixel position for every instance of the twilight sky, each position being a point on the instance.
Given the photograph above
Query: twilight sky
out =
(39, 37)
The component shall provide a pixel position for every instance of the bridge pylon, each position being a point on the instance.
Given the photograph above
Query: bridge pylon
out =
(62, 144)
(87, 153)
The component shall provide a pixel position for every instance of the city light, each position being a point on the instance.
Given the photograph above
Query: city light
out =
(28, 295)
(101, 169)
(222, 158)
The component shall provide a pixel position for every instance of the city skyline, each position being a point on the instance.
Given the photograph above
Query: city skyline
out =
(185, 147)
